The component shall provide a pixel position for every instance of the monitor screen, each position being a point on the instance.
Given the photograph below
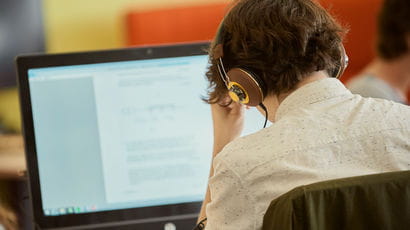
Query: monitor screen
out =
(123, 134)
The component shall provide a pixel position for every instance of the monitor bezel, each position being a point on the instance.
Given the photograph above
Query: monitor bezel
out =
(26, 62)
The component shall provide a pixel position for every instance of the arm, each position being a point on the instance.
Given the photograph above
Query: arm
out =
(228, 125)
(231, 207)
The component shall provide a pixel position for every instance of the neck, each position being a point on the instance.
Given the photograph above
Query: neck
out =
(315, 76)
(396, 72)
(272, 102)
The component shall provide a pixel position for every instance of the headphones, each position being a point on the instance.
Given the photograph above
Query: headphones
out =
(246, 87)
(243, 85)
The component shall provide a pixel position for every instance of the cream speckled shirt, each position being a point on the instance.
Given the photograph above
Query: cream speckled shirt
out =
(322, 132)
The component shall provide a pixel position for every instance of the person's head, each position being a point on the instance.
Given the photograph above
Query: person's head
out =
(394, 29)
(281, 41)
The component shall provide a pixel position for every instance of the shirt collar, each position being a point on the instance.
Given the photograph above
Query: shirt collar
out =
(311, 93)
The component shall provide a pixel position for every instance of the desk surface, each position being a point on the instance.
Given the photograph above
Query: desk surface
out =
(12, 159)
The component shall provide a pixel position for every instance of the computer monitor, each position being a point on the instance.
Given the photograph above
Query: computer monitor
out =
(119, 137)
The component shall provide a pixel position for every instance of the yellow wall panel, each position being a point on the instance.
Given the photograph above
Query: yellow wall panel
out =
(9, 109)
(78, 25)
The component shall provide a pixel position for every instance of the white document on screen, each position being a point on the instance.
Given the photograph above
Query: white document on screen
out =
(154, 150)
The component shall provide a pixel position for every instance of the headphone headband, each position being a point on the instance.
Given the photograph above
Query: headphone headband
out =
(344, 62)
(218, 41)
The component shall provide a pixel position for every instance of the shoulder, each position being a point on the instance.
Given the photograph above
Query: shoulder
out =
(385, 110)
(371, 117)
(246, 153)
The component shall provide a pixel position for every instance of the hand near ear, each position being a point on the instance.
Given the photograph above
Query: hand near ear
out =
(228, 122)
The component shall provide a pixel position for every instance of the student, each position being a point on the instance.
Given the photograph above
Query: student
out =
(320, 130)
(388, 75)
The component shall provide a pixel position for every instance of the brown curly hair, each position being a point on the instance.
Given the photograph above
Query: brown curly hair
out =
(393, 29)
(279, 40)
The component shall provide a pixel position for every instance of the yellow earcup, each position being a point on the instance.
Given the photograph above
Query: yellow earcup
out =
(238, 93)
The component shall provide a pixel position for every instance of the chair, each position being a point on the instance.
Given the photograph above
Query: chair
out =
(378, 201)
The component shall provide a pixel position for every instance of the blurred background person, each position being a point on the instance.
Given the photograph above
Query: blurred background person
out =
(388, 75)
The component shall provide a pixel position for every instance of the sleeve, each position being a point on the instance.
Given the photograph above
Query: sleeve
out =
(230, 206)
